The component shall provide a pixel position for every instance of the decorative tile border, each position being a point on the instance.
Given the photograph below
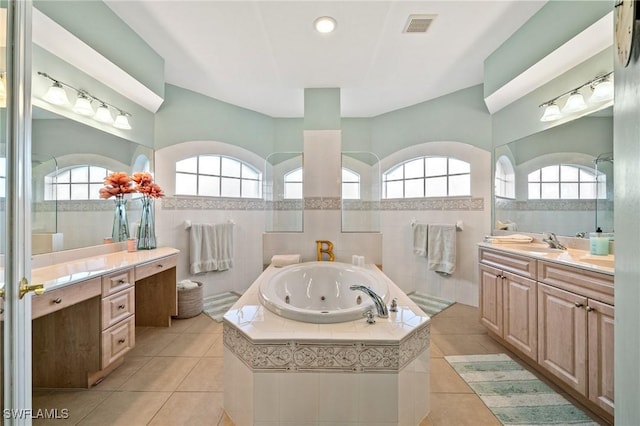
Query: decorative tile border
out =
(554, 205)
(322, 203)
(476, 204)
(347, 357)
(82, 206)
(212, 203)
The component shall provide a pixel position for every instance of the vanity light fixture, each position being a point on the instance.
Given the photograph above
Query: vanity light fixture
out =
(57, 95)
(325, 24)
(602, 91)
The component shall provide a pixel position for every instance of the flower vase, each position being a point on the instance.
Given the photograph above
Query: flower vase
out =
(146, 229)
(120, 230)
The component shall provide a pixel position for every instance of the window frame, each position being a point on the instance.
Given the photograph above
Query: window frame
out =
(507, 185)
(51, 187)
(579, 168)
(220, 177)
(424, 177)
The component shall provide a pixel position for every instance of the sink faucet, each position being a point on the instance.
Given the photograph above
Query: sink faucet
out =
(551, 239)
(383, 312)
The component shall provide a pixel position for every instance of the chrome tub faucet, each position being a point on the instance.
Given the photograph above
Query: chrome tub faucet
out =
(381, 308)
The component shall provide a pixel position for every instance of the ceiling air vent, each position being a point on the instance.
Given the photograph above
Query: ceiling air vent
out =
(418, 23)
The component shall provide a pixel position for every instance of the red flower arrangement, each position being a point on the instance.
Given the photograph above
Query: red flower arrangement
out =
(116, 184)
(144, 185)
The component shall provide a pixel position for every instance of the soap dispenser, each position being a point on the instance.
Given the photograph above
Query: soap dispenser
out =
(599, 243)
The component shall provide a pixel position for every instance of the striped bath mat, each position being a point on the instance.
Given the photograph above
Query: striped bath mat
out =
(431, 305)
(217, 305)
(515, 395)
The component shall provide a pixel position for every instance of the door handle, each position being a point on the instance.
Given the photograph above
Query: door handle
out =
(25, 288)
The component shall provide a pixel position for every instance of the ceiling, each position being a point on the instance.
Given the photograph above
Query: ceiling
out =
(261, 55)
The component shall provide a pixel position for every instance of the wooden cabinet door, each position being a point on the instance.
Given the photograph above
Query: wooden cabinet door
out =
(600, 321)
(491, 299)
(562, 335)
(520, 299)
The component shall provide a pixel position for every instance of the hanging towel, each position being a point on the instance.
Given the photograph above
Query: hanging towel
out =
(280, 260)
(441, 248)
(420, 239)
(210, 247)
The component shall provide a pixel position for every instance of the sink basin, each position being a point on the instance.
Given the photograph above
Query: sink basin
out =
(534, 248)
(605, 261)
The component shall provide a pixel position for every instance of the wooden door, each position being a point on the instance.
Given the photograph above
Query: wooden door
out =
(490, 309)
(520, 313)
(600, 323)
(562, 335)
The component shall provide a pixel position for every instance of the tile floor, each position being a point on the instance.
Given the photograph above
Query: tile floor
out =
(174, 377)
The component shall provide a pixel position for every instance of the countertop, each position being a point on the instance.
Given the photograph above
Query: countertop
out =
(63, 274)
(575, 257)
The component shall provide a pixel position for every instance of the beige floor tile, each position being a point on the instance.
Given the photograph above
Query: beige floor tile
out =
(69, 406)
(226, 421)
(450, 409)
(217, 349)
(444, 378)
(434, 350)
(121, 374)
(160, 374)
(204, 324)
(206, 376)
(459, 310)
(189, 344)
(456, 325)
(466, 344)
(151, 342)
(190, 409)
(181, 325)
(127, 409)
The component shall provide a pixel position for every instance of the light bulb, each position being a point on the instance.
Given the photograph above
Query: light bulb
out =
(56, 95)
(575, 103)
(551, 113)
(602, 91)
(325, 24)
(122, 122)
(103, 114)
(83, 105)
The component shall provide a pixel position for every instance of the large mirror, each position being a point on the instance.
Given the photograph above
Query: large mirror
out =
(559, 180)
(69, 163)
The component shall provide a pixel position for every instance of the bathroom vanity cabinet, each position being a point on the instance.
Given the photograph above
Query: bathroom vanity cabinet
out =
(558, 317)
(82, 330)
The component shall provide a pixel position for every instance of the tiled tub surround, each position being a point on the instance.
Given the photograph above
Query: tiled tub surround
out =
(280, 371)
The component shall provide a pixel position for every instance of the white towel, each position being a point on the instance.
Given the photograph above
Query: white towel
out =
(187, 284)
(513, 238)
(280, 260)
(420, 239)
(210, 247)
(441, 248)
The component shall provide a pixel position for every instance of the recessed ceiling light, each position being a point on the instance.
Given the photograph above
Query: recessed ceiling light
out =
(325, 24)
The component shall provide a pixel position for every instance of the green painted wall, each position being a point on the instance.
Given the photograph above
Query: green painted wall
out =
(321, 109)
(288, 134)
(554, 24)
(459, 116)
(357, 134)
(98, 26)
(189, 116)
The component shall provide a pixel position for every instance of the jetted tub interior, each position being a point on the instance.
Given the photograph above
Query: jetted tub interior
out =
(318, 292)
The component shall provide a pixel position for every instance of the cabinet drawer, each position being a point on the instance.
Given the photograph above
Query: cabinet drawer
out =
(52, 301)
(591, 284)
(151, 268)
(118, 307)
(117, 281)
(521, 265)
(118, 340)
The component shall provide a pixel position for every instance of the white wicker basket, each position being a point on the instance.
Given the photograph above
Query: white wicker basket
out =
(189, 301)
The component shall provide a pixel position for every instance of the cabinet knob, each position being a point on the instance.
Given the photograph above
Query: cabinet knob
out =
(589, 309)
(121, 307)
(578, 305)
(160, 265)
(57, 301)
(121, 281)
(499, 276)
(121, 341)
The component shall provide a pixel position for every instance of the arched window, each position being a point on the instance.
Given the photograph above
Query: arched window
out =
(505, 184)
(566, 182)
(82, 182)
(217, 176)
(428, 177)
(350, 184)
